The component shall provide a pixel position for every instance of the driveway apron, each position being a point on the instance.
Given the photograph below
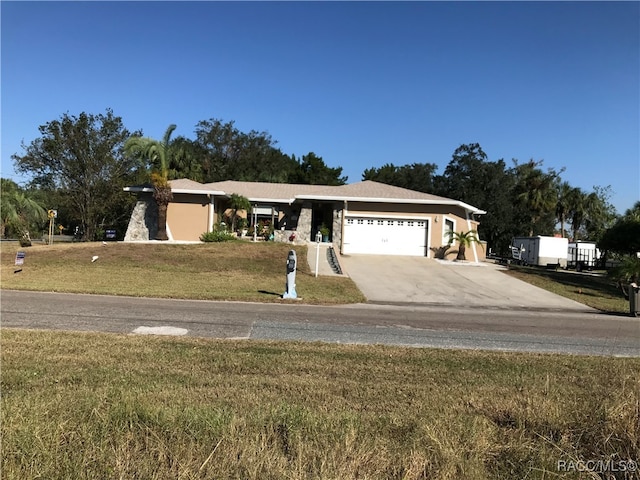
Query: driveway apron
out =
(402, 279)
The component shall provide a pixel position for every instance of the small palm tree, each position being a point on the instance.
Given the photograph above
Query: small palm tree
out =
(18, 210)
(238, 202)
(158, 154)
(464, 239)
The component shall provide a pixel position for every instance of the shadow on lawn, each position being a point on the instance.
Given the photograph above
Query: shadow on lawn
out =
(265, 292)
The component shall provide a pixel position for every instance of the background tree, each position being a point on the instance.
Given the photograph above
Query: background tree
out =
(633, 213)
(80, 160)
(312, 170)
(624, 236)
(622, 241)
(471, 178)
(159, 156)
(563, 196)
(20, 213)
(229, 154)
(186, 160)
(577, 209)
(536, 196)
(601, 214)
(417, 176)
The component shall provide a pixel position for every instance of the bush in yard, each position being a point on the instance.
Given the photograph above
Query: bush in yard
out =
(217, 236)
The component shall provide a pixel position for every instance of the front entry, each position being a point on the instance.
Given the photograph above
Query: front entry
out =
(321, 216)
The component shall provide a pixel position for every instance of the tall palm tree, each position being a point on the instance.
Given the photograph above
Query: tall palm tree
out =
(158, 153)
(562, 205)
(577, 210)
(539, 196)
(464, 239)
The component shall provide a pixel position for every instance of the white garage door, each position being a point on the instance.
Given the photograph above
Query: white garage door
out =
(385, 236)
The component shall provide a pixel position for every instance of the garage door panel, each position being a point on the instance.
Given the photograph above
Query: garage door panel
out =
(383, 236)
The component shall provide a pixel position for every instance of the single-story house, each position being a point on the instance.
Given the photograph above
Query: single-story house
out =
(364, 217)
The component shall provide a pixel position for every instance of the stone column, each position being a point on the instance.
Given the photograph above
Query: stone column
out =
(143, 224)
(303, 230)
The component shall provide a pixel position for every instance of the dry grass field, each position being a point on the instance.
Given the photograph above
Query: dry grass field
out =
(87, 406)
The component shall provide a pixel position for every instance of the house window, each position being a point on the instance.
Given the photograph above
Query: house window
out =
(448, 226)
(380, 222)
(421, 224)
(389, 222)
(410, 223)
(349, 221)
(360, 221)
(400, 223)
(369, 222)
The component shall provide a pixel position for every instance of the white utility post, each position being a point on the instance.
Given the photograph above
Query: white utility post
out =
(255, 223)
(318, 240)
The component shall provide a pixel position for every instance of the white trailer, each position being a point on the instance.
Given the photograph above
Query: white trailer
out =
(541, 251)
(582, 255)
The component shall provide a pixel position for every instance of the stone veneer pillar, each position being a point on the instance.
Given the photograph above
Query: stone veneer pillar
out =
(143, 222)
(303, 230)
(336, 228)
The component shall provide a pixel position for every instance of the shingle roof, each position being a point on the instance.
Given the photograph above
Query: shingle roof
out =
(184, 185)
(367, 190)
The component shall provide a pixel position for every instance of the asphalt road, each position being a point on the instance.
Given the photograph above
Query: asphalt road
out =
(550, 331)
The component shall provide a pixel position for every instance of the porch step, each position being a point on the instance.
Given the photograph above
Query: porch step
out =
(328, 263)
(333, 261)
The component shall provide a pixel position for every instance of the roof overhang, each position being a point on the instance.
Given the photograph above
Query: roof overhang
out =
(332, 198)
(288, 201)
(415, 201)
(140, 189)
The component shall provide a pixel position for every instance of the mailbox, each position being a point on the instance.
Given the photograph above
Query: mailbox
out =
(292, 262)
(634, 299)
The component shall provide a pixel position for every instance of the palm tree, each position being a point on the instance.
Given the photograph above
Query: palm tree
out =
(539, 196)
(238, 202)
(536, 193)
(577, 210)
(159, 156)
(464, 239)
(562, 205)
(18, 210)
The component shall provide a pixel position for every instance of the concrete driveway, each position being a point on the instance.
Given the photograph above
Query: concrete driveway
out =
(401, 280)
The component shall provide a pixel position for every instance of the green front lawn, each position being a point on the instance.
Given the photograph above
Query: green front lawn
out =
(596, 291)
(237, 270)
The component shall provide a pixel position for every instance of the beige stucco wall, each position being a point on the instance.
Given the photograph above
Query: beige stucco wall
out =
(188, 216)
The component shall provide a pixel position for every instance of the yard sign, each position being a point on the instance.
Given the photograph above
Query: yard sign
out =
(20, 258)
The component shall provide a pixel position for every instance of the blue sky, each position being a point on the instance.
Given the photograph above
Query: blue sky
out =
(360, 84)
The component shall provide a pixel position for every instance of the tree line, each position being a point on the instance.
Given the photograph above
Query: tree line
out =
(521, 199)
(80, 164)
